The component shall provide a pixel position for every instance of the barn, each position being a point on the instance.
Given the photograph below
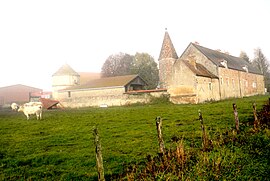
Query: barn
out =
(16, 93)
(111, 91)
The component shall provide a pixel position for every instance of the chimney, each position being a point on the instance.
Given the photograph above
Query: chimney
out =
(197, 43)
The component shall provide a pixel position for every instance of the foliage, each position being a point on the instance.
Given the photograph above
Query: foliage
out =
(118, 64)
(146, 67)
(142, 64)
(60, 147)
(244, 56)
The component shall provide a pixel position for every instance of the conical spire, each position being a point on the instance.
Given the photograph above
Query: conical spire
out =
(167, 49)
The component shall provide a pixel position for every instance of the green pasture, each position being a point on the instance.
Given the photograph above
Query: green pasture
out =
(61, 145)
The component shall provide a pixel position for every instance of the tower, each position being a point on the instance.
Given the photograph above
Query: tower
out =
(64, 77)
(166, 59)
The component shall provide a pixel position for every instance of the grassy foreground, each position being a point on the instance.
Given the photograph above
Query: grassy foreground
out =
(61, 146)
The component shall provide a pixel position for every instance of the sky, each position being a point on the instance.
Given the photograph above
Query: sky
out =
(38, 37)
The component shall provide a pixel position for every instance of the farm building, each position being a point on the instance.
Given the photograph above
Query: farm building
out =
(109, 91)
(198, 75)
(16, 93)
(201, 74)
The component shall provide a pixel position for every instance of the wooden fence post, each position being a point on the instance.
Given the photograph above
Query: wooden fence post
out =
(256, 121)
(204, 139)
(99, 156)
(236, 117)
(160, 138)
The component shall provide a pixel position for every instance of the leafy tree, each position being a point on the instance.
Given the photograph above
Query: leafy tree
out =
(142, 64)
(146, 67)
(118, 64)
(244, 56)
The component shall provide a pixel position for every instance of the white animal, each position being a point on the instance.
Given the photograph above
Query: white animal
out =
(14, 106)
(29, 109)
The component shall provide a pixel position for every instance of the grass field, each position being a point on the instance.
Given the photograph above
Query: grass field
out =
(61, 146)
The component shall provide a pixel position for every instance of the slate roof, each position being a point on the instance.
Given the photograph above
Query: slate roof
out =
(167, 49)
(106, 82)
(233, 62)
(65, 70)
(200, 70)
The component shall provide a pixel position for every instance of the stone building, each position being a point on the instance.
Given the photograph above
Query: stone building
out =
(201, 74)
(109, 91)
(64, 77)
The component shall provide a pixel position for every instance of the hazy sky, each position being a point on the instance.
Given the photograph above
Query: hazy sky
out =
(38, 37)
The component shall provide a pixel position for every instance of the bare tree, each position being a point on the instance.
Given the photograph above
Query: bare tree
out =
(261, 62)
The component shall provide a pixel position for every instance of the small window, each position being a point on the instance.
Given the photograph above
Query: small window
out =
(233, 82)
(69, 94)
(210, 85)
(254, 85)
(227, 81)
(221, 80)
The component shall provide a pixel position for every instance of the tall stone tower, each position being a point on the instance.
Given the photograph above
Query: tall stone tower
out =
(166, 59)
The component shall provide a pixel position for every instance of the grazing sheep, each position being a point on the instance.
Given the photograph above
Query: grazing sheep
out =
(29, 109)
(14, 106)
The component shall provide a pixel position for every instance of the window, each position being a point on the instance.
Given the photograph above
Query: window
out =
(221, 80)
(254, 84)
(69, 94)
(233, 82)
(210, 85)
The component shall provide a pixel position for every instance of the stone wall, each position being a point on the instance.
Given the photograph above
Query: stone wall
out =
(113, 96)
(235, 83)
(200, 58)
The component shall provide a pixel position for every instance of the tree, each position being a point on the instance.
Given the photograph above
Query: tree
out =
(260, 61)
(142, 64)
(146, 67)
(262, 64)
(244, 56)
(118, 64)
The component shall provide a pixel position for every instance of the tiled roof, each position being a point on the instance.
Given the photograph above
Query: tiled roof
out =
(200, 70)
(167, 49)
(106, 82)
(65, 70)
(233, 62)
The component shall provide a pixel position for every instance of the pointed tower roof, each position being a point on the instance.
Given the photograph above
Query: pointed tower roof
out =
(65, 70)
(167, 49)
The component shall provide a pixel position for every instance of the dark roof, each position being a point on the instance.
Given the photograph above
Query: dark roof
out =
(65, 70)
(233, 62)
(106, 82)
(167, 49)
(199, 70)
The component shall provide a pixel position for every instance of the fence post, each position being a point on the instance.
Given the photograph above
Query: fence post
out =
(204, 139)
(160, 138)
(256, 121)
(236, 117)
(99, 156)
